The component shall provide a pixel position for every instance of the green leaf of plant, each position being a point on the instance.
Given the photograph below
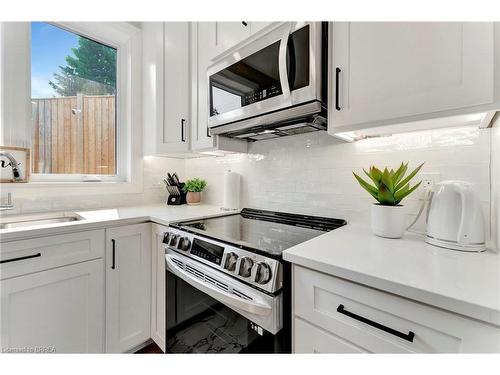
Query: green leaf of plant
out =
(400, 195)
(385, 197)
(387, 180)
(408, 178)
(400, 192)
(365, 185)
(398, 175)
(376, 175)
(371, 178)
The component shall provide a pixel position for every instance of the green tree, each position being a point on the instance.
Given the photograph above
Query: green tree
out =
(92, 70)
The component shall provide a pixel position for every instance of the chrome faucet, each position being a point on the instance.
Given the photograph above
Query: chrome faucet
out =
(9, 205)
(14, 164)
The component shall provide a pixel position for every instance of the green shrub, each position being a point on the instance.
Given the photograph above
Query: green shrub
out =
(194, 185)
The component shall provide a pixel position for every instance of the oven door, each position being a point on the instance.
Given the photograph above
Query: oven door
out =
(209, 312)
(279, 69)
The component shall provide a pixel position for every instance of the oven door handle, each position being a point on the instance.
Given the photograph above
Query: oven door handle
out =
(253, 307)
(283, 71)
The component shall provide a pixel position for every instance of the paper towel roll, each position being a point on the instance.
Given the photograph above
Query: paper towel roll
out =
(231, 191)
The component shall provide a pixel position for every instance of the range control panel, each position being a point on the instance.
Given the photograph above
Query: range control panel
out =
(265, 273)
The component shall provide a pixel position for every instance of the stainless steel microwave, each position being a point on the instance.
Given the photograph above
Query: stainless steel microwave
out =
(271, 85)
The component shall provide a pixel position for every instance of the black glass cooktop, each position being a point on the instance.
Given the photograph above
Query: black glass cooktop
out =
(265, 231)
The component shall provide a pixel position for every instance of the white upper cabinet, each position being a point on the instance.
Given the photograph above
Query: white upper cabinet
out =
(209, 39)
(383, 73)
(166, 81)
(228, 34)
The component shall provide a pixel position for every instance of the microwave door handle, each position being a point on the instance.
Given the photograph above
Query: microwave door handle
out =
(285, 86)
(252, 307)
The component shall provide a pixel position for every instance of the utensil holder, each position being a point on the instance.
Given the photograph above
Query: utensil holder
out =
(176, 199)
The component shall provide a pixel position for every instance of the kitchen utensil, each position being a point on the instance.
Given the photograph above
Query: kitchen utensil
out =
(455, 218)
(175, 177)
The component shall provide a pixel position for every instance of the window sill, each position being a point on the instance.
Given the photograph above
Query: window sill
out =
(75, 187)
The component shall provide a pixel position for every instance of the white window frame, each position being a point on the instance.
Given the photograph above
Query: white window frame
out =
(126, 38)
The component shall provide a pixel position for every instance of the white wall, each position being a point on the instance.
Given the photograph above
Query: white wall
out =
(495, 183)
(312, 173)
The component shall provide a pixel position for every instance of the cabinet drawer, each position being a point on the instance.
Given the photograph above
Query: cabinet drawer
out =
(37, 254)
(381, 322)
(310, 339)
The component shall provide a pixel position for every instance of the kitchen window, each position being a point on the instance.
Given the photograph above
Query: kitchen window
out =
(73, 100)
(77, 103)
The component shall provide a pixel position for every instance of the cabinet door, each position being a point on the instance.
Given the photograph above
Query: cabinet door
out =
(60, 310)
(390, 72)
(176, 83)
(128, 287)
(166, 87)
(308, 339)
(203, 43)
(158, 286)
(228, 34)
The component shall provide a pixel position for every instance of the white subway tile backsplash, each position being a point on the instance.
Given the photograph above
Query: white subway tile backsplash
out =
(312, 173)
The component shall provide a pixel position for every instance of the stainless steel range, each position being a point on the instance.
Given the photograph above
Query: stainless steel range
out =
(228, 289)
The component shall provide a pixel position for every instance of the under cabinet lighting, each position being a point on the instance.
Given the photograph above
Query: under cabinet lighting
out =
(478, 120)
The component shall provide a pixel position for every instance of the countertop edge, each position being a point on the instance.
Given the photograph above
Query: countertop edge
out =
(466, 309)
(87, 225)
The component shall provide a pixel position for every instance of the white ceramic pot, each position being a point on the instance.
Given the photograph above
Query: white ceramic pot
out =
(388, 221)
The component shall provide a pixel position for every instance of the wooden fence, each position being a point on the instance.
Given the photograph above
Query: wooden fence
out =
(74, 134)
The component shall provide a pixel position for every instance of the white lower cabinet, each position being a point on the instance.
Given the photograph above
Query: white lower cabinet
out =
(128, 287)
(158, 286)
(52, 294)
(311, 339)
(59, 310)
(333, 315)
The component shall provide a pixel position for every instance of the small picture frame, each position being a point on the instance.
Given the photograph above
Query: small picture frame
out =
(22, 156)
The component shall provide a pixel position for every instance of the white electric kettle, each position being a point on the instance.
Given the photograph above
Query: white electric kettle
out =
(455, 219)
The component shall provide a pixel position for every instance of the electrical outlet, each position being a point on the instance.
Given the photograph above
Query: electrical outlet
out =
(429, 179)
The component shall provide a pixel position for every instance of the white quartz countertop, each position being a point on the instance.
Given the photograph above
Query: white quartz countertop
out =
(158, 213)
(465, 283)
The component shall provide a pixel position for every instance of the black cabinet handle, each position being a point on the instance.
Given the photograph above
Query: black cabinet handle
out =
(337, 88)
(182, 130)
(405, 336)
(113, 254)
(21, 258)
(245, 23)
(208, 132)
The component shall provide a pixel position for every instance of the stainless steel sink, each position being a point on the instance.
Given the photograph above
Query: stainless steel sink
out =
(34, 220)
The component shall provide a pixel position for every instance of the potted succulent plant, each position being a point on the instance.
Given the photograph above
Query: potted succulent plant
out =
(193, 188)
(389, 188)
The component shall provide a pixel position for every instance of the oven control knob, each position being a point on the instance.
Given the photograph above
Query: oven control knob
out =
(231, 259)
(246, 265)
(263, 273)
(173, 239)
(166, 238)
(184, 244)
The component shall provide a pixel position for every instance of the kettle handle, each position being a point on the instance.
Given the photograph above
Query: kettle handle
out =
(468, 202)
